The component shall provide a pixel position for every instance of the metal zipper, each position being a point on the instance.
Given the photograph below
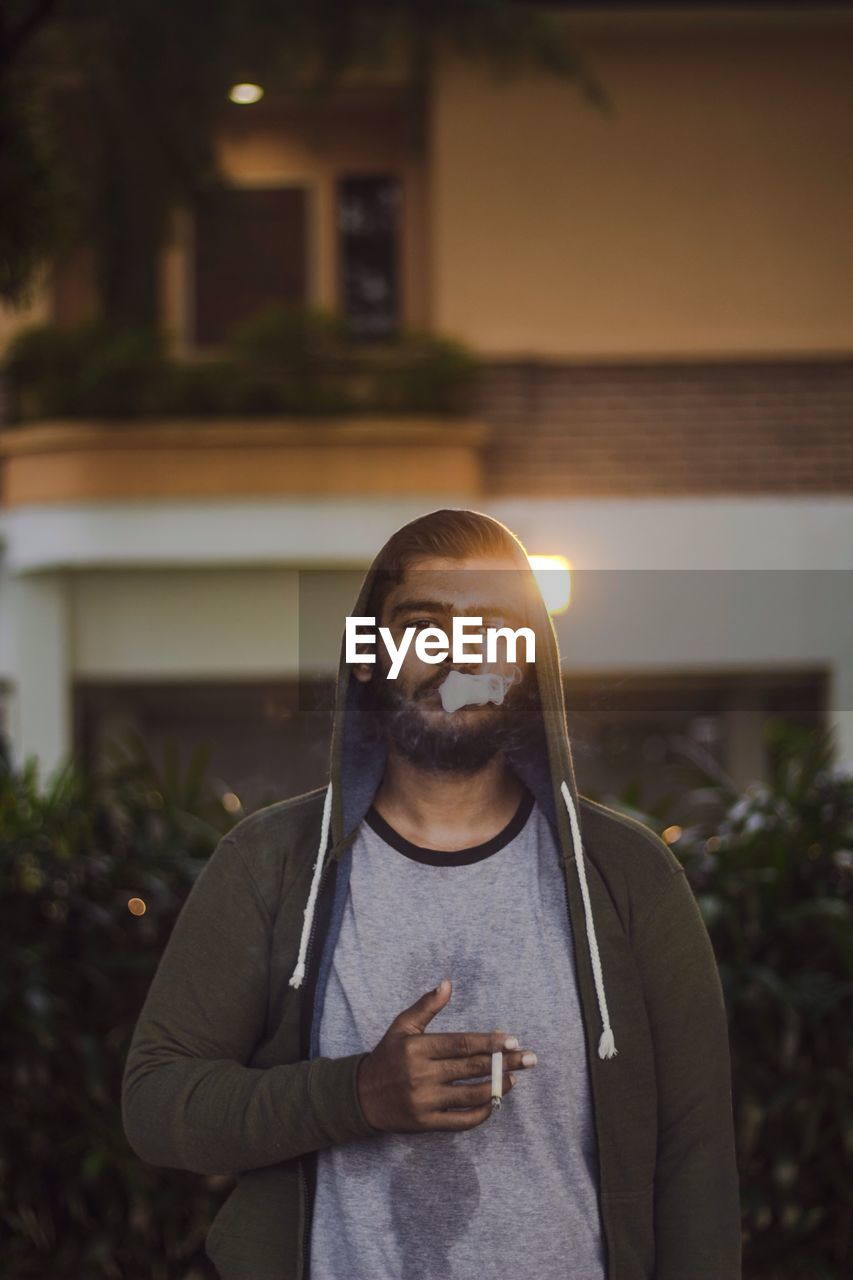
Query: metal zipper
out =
(303, 1240)
(304, 1233)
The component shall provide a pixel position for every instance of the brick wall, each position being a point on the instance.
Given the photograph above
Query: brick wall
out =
(725, 428)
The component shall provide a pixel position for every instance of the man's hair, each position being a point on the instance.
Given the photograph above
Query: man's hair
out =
(453, 534)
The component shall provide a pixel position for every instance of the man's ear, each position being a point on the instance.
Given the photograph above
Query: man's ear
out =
(363, 672)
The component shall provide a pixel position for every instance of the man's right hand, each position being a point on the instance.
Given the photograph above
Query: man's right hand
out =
(406, 1084)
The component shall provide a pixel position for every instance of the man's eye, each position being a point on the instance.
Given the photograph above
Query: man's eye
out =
(420, 623)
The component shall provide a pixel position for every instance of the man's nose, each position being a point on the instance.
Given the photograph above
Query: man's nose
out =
(475, 643)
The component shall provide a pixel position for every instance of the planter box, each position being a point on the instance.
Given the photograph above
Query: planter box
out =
(73, 462)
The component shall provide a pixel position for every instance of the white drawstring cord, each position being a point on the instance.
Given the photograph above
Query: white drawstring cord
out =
(299, 972)
(606, 1045)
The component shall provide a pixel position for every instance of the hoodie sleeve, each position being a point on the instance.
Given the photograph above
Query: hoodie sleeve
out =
(188, 1099)
(697, 1195)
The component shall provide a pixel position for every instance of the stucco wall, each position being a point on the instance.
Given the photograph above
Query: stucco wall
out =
(710, 214)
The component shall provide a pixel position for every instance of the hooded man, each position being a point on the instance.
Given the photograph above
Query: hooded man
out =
(323, 1020)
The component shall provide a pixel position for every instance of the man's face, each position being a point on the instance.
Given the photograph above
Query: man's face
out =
(409, 709)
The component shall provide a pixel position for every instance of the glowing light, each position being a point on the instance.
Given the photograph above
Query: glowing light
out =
(672, 834)
(245, 94)
(136, 907)
(554, 577)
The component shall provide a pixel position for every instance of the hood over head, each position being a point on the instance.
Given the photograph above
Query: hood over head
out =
(542, 760)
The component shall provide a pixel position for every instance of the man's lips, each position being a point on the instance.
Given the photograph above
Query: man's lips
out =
(431, 695)
(431, 691)
(433, 699)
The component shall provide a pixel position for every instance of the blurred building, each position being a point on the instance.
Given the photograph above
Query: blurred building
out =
(662, 301)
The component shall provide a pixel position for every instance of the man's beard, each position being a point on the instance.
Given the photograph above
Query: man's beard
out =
(449, 742)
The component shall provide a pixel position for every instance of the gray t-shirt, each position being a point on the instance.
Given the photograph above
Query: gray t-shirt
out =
(518, 1193)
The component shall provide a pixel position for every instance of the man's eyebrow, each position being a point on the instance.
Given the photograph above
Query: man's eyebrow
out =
(423, 606)
(484, 610)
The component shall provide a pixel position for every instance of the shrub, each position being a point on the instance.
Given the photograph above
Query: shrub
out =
(772, 870)
(279, 334)
(75, 966)
(284, 360)
(88, 371)
(427, 375)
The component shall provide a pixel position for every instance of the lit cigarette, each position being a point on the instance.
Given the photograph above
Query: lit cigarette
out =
(497, 1080)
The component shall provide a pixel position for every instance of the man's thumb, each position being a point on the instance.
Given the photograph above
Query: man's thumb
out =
(419, 1015)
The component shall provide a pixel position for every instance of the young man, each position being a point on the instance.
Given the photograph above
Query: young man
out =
(323, 1019)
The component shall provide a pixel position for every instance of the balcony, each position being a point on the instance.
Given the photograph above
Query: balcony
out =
(291, 407)
(76, 462)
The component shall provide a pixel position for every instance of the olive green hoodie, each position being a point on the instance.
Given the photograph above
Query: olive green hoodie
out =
(223, 1074)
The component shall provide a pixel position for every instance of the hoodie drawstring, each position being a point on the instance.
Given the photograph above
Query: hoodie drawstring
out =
(299, 972)
(606, 1045)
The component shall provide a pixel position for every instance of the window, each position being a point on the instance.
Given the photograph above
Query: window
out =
(368, 233)
(638, 734)
(250, 250)
(267, 739)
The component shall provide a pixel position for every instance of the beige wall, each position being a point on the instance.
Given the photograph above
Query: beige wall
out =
(712, 214)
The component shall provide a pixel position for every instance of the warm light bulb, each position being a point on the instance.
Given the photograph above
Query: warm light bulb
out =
(554, 579)
(245, 94)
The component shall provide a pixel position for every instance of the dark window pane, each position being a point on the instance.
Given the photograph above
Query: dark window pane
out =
(368, 232)
(268, 739)
(250, 251)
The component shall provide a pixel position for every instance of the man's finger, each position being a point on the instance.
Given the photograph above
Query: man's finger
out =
(458, 1120)
(470, 1095)
(467, 1044)
(479, 1065)
(419, 1015)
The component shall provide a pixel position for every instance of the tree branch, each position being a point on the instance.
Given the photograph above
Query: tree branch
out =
(14, 37)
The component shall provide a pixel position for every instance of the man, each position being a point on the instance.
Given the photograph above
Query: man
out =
(323, 1019)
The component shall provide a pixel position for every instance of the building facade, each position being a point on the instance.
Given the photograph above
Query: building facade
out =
(660, 299)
